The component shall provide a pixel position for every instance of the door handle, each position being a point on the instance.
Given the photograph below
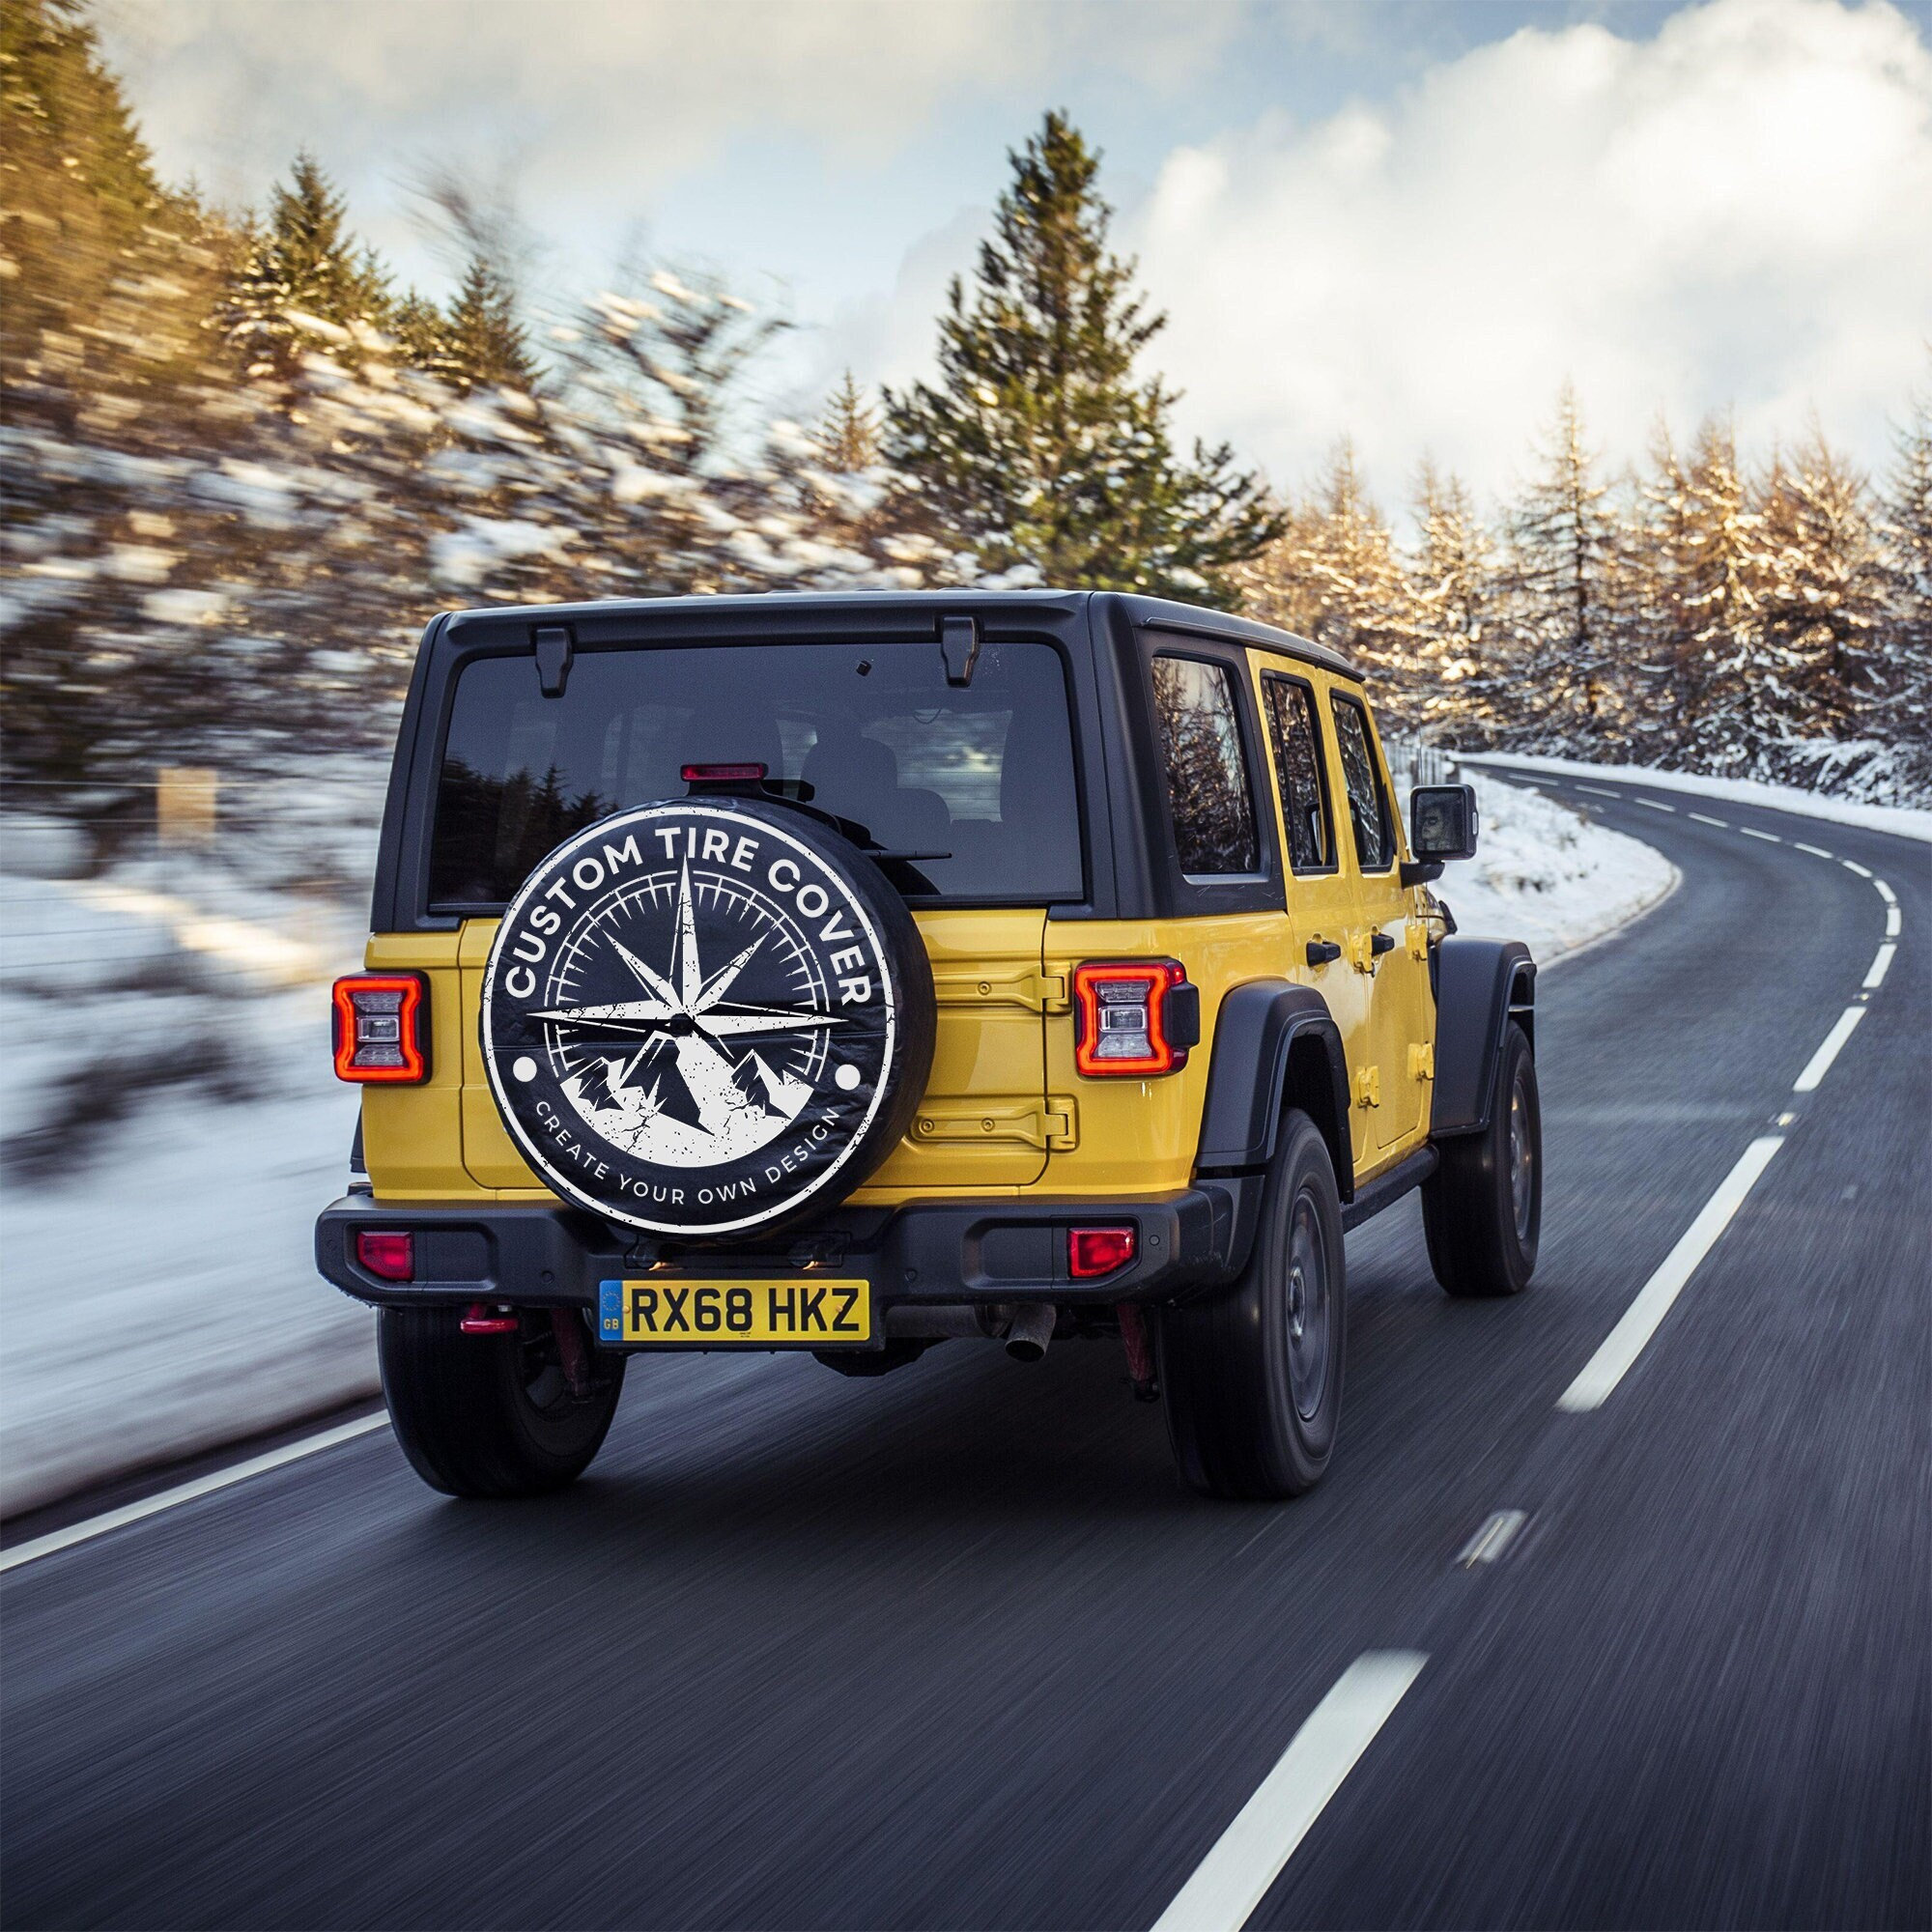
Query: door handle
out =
(1321, 950)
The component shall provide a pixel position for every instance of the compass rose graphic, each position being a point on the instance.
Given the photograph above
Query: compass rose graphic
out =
(741, 1103)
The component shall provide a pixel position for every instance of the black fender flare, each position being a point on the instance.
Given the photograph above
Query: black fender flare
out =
(1273, 1040)
(1481, 984)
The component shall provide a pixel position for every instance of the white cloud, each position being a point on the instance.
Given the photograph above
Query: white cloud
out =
(1738, 212)
(603, 101)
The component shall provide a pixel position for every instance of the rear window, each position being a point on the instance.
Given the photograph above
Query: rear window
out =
(984, 775)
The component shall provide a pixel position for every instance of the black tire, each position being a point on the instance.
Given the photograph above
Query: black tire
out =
(1252, 1376)
(1482, 1208)
(492, 1416)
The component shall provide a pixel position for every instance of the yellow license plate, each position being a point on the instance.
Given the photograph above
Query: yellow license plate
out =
(813, 1313)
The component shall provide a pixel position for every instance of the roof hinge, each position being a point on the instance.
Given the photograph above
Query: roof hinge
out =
(959, 645)
(553, 657)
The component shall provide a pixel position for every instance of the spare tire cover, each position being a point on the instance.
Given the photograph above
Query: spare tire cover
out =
(706, 1016)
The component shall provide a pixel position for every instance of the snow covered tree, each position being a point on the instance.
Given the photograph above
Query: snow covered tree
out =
(848, 431)
(1333, 575)
(1038, 446)
(1565, 576)
(1902, 703)
(1461, 674)
(1824, 597)
(302, 259)
(481, 341)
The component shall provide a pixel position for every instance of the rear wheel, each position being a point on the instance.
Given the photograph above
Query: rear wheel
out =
(492, 1415)
(1482, 1208)
(1253, 1376)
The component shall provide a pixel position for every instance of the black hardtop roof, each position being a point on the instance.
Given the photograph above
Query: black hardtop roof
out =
(717, 613)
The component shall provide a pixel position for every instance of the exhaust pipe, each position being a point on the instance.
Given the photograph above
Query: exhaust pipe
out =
(1032, 1329)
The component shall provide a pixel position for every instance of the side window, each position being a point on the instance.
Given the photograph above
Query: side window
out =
(1295, 738)
(1368, 800)
(1207, 773)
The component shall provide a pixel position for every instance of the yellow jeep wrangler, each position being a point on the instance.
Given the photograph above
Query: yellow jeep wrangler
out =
(855, 973)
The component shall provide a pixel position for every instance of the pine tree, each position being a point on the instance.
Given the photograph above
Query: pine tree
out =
(1567, 583)
(1038, 446)
(482, 343)
(1901, 706)
(1461, 674)
(1825, 601)
(848, 431)
(302, 262)
(87, 215)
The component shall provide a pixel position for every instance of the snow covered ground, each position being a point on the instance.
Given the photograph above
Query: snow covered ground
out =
(1548, 875)
(1907, 821)
(157, 1295)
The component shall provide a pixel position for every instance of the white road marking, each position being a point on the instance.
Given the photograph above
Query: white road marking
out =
(1816, 851)
(1233, 1879)
(1853, 866)
(1892, 921)
(1656, 804)
(1881, 965)
(1491, 1541)
(1820, 1062)
(1705, 818)
(1625, 1343)
(186, 1492)
(1768, 837)
(1597, 790)
(1886, 892)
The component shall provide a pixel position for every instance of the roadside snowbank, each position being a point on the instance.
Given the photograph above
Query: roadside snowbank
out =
(1906, 821)
(1548, 875)
(158, 1295)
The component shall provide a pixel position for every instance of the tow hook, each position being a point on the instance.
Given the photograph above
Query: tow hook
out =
(480, 1320)
(1139, 1345)
(574, 1356)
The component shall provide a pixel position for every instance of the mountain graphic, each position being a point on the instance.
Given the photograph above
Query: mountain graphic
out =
(778, 1093)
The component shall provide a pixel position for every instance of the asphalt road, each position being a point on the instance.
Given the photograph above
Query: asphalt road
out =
(954, 1649)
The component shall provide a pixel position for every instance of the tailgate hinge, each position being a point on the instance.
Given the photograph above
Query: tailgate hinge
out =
(1052, 1127)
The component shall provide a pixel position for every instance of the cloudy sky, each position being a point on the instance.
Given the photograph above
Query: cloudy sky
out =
(1407, 220)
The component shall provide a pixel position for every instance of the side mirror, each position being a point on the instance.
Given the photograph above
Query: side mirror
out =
(1444, 823)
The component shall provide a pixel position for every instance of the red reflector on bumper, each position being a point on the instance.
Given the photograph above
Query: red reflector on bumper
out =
(387, 1257)
(1097, 1251)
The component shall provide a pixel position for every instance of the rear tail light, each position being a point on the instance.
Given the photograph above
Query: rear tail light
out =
(1097, 1251)
(1133, 1017)
(381, 1027)
(387, 1257)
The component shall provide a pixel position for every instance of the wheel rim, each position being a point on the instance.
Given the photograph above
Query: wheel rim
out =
(1308, 1309)
(1522, 1159)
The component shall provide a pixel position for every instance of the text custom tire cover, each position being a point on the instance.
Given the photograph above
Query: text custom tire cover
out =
(706, 1016)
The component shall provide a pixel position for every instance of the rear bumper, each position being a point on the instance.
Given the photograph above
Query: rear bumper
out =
(537, 1254)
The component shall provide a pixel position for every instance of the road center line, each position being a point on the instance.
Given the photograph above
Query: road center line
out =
(186, 1492)
(1656, 804)
(1596, 791)
(1853, 866)
(1816, 851)
(1625, 1343)
(1892, 921)
(1820, 1062)
(1705, 818)
(1881, 965)
(1768, 837)
(1886, 892)
(1233, 1878)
